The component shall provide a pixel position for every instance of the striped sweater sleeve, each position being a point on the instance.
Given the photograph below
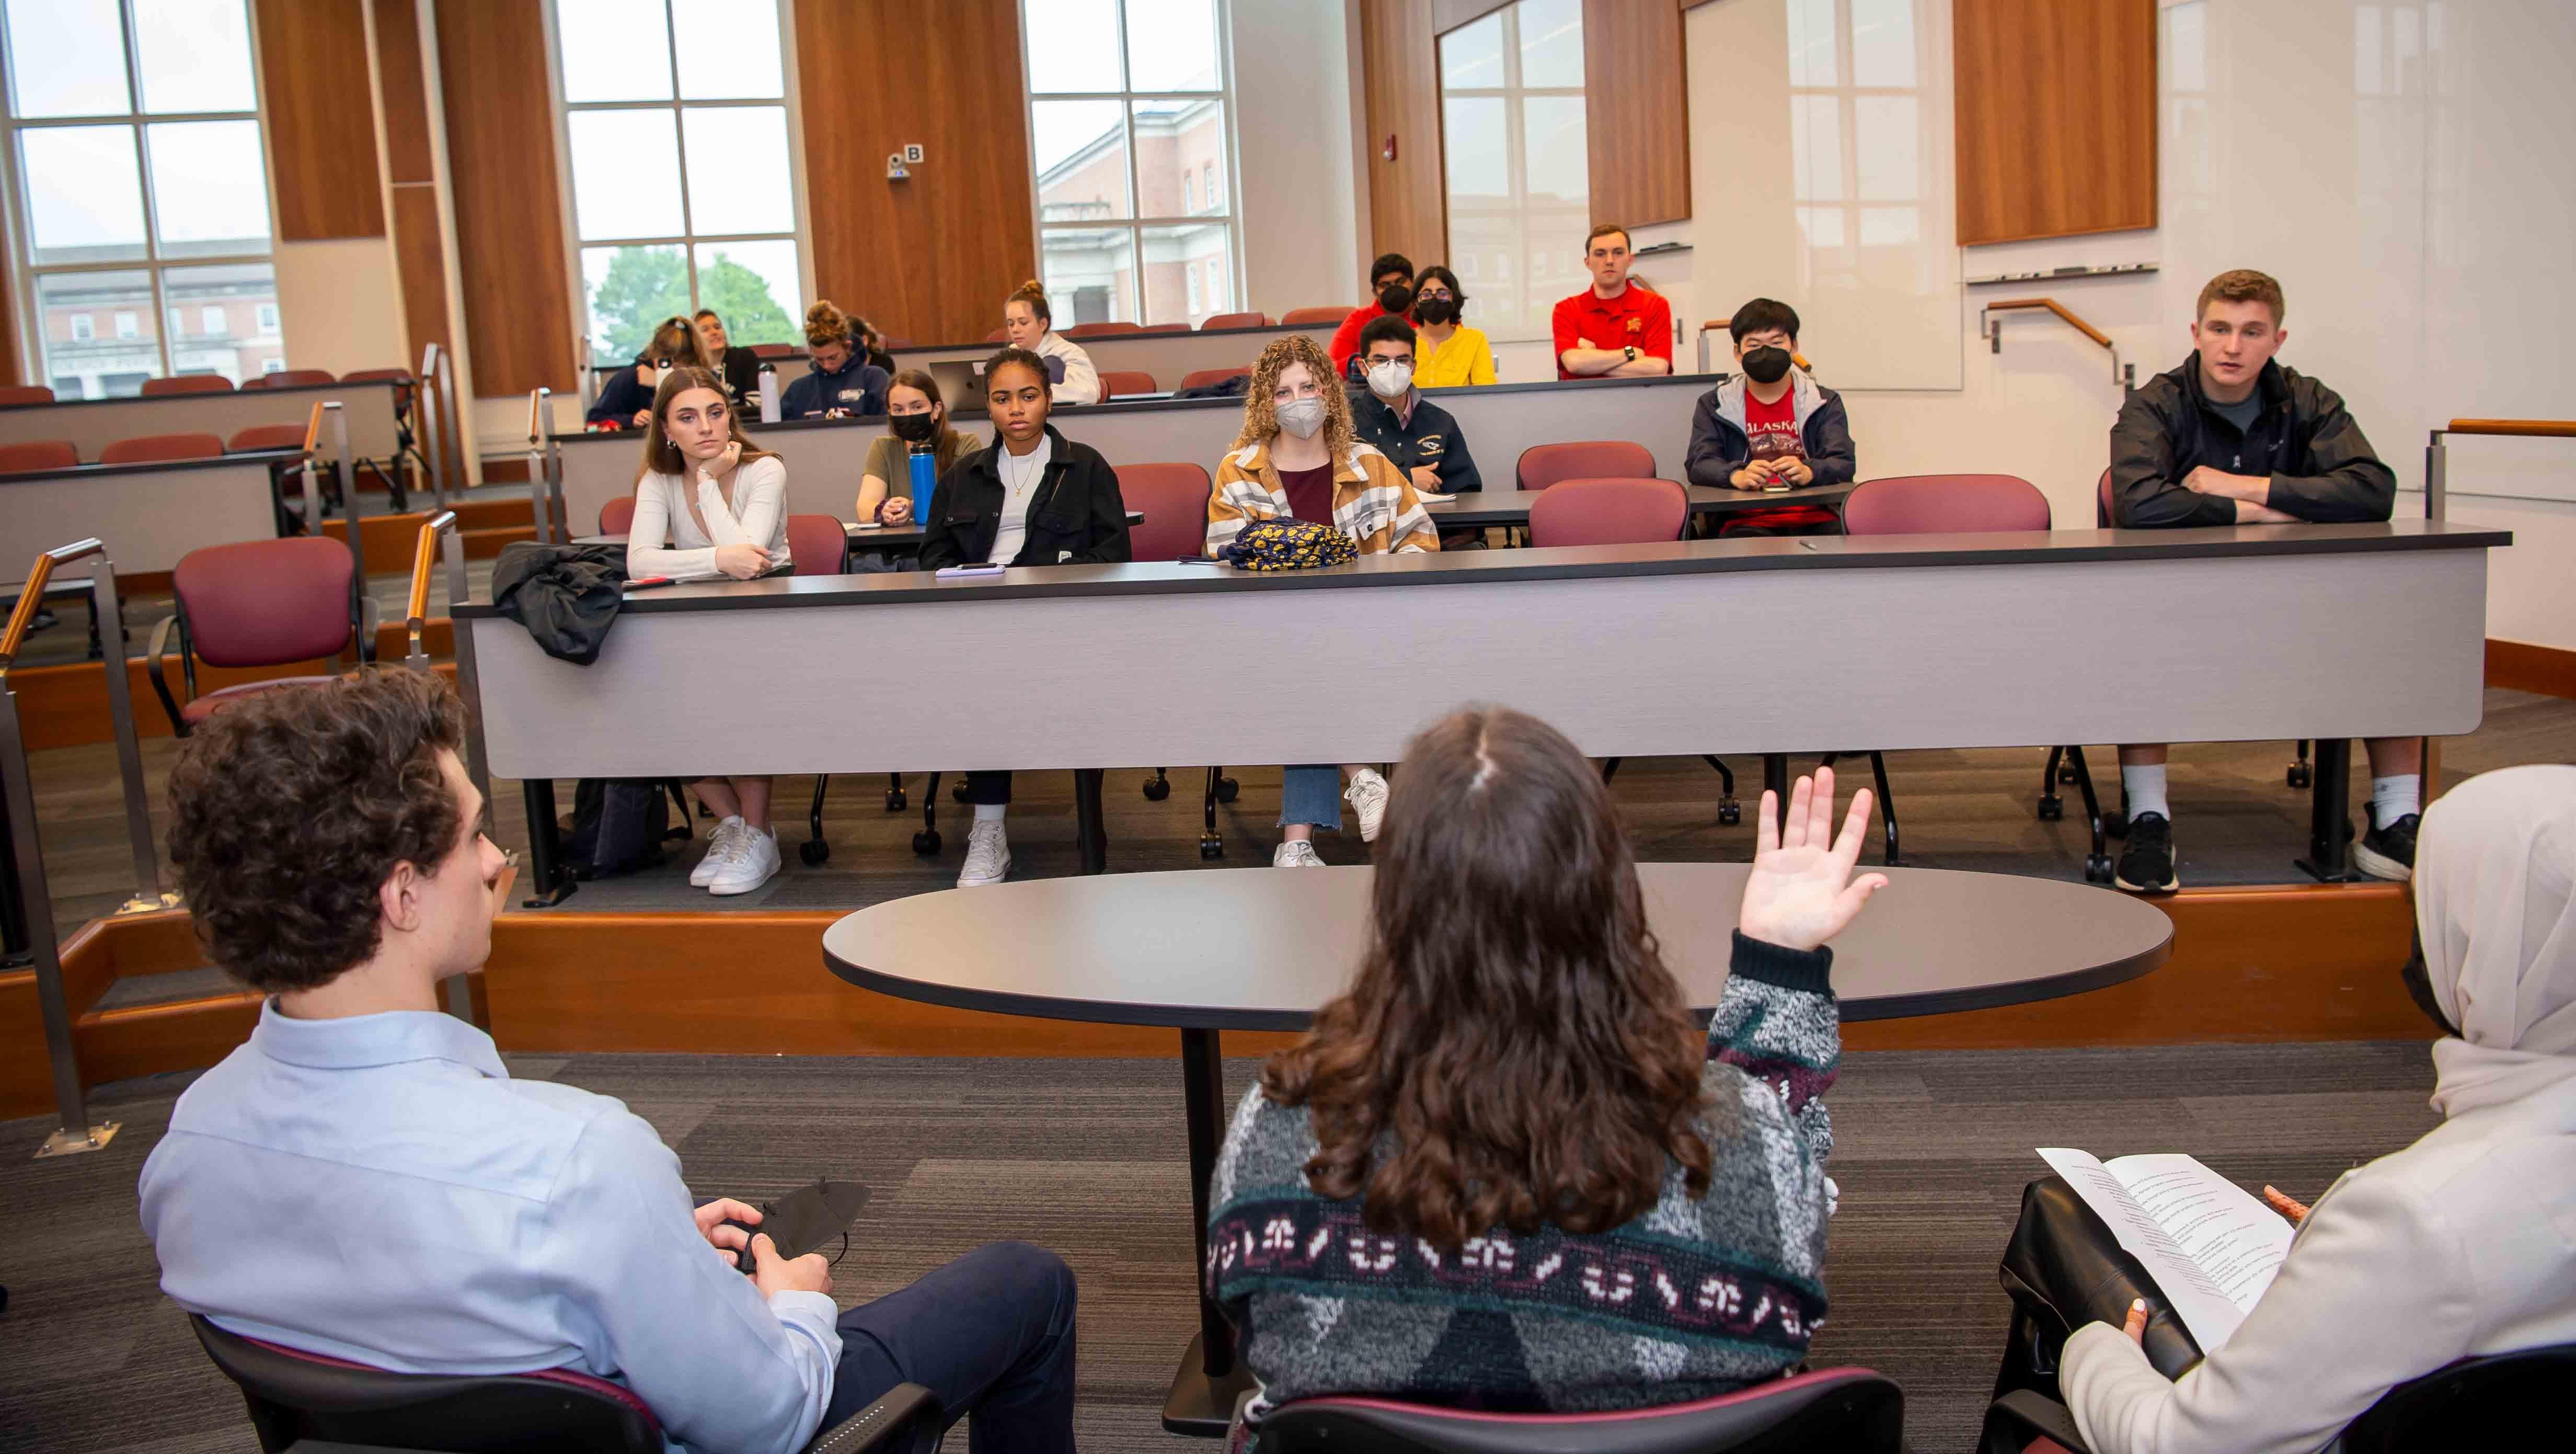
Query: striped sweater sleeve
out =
(1778, 1023)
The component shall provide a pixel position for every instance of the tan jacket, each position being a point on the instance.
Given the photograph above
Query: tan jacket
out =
(1373, 503)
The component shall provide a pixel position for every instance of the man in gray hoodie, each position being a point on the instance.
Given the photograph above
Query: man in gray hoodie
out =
(1771, 427)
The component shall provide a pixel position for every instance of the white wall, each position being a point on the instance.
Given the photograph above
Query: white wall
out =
(1295, 154)
(340, 304)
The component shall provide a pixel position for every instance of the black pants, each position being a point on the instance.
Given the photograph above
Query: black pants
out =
(990, 1333)
(2063, 1269)
(988, 789)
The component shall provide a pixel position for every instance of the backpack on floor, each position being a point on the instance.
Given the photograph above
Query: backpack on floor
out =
(617, 826)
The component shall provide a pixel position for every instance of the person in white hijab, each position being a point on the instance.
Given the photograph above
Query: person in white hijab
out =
(2461, 1245)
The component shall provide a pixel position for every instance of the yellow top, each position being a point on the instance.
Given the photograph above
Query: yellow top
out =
(1465, 359)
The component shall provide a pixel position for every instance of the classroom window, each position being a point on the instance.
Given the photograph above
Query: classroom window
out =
(1855, 137)
(1518, 170)
(134, 141)
(1130, 113)
(676, 120)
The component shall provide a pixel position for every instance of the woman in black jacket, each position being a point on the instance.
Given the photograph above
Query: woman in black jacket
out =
(718, 354)
(626, 395)
(1033, 498)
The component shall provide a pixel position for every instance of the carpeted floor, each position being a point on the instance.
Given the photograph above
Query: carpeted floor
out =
(1931, 1152)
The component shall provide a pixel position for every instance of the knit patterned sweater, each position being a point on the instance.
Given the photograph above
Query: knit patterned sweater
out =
(1692, 1299)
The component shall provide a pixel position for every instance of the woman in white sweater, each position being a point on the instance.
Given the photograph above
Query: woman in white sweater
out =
(721, 502)
(1030, 324)
(2461, 1245)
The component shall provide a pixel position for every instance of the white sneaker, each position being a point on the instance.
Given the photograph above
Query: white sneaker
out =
(1296, 853)
(720, 846)
(988, 856)
(754, 862)
(1367, 797)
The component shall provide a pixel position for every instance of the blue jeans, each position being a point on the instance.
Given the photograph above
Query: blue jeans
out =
(990, 1333)
(1311, 795)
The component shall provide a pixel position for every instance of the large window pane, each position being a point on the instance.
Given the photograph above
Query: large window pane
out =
(625, 174)
(1559, 166)
(84, 356)
(753, 287)
(1882, 43)
(738, 169)
(1081, 158)
(195, 55)
(84, 194)
(613, 50)
(1180, 158)
(1551, 42)
(1811, 44)
(1471, 57)
(629, 291)
(223, 303)
(67, 58)
(1090, 274)
(1072, 45)
(728, 50)
(1171, 45)
(1186, 269)
(1475, 149)
(209, 188)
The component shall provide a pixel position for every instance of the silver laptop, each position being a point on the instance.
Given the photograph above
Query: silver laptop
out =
(961, 384)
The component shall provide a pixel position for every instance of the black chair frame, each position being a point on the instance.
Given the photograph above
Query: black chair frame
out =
(1857, 1413)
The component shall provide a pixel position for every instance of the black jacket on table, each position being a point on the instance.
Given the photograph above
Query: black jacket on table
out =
(1431, 437)
(2322, 468)
(1076, 517)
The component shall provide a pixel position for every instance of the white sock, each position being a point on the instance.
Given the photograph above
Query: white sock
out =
(2145, 789)
(990, 812)
(2392, 798)
(730, 820)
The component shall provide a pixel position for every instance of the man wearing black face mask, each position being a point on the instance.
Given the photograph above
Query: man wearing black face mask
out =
(1391, 278)
(1772, 427)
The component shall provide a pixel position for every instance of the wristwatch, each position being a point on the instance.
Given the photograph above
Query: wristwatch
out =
(1632, 353)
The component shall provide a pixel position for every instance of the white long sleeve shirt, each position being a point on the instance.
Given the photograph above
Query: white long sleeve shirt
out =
(1081, 381)
(757, 516)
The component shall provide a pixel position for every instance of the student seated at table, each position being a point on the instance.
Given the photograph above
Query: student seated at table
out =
(2231, 437)
(874, 344)
(916, 423)
(1771, 426)
(718, 354)
(626, 395)
(722, 501)
(1031, 498)
(2460, 1246)
(1392, 416)
(1618, 328)
(363, 1178)
(1391, 279)
(1505, 1158)
(1030, 324)
(842, 380)
(1299, 457)
(1447, 354)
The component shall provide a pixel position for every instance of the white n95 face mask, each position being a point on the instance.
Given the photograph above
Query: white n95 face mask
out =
(1389, 380)
(1302, 417)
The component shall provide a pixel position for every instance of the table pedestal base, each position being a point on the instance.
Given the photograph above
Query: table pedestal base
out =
(1201, 1406)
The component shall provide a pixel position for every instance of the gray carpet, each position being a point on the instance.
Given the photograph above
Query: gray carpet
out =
(1932, 1150)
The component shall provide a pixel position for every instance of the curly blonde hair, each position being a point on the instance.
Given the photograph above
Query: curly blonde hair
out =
(1261, 412)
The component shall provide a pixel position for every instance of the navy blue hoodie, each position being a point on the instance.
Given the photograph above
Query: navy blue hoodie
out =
(859, 387)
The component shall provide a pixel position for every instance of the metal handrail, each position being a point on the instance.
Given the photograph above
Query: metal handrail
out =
(2437, 455)
(425, 556)
(1992, 328)
(2530, 428)
(544, 479)
(1711, 325)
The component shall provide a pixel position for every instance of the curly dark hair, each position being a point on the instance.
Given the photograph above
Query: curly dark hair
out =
(1513, 1034)
(288, 809)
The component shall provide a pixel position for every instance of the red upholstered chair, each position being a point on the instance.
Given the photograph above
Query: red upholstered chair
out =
(1543, 465)
(1849, 1410)
(307, 1400)
(11, 394)
(1609, 512)
(1102, 329)
(998, 335)
(376, 376)
(159, 448)
(1174, 501)
(257, 604)
(1236, 320)
(773, 350)
(1309, 317)
(37, 454)
(257, 437)
(1201, 378)
(1164, 328)
(187, 384)
(289, 379)
(617, 516)
(1116, 382)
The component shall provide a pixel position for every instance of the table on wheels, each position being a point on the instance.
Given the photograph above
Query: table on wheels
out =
(1209, 951)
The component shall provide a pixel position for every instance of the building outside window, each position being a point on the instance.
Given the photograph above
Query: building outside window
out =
(676, 121)
(1130, 123)
(134, 156)
(1519, 174)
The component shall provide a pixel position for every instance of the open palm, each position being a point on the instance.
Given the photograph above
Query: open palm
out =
(1801, 892)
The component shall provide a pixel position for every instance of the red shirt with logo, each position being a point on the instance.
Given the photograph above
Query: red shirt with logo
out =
(1772, 431)
(1638, 316)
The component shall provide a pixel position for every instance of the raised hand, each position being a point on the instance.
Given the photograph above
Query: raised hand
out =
(1801, 892)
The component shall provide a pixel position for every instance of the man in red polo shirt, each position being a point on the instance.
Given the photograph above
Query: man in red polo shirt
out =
(1616, 330)
(1391, 278)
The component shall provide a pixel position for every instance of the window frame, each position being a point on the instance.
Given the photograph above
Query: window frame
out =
(17, 229)
(1136, 225)
(688, 240)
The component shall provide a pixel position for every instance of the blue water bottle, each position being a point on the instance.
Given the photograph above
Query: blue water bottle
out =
(925, 478)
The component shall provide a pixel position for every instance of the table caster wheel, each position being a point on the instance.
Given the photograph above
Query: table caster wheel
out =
(1211, 849)
(2066, 773)
(2115, 824)
(1157, 789)
(957, 791)
(926, 842)
(2052, 808)
(2097, 868)
(1729, 813)
(2301, 776)
(813, 851)
(1225, 790)
(894, 800)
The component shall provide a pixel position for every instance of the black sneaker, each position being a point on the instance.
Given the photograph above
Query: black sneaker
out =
(2389, 852)
(2147, 864)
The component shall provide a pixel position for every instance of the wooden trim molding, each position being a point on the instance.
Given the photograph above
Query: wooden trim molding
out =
(2525, 666)
(509, 220)
(2055, 110)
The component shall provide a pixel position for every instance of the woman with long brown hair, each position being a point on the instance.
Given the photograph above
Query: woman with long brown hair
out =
(721, 502)
(916, 424)
(1504, 1170)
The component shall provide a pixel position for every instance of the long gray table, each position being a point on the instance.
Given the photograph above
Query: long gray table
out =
(149, 514)
(1764, 646)
(91, 425)
(1207, 952)
(1166, 356)
(824, 456)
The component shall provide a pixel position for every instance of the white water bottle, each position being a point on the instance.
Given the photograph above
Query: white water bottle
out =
(768, 394)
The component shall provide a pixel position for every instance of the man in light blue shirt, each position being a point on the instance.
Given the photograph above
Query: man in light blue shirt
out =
(363, 1178)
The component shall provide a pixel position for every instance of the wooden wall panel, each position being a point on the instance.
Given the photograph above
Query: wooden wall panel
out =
(404, 78)
(1636, 111)
(931, 258)
(321, 119)
(1400, 60)
(509, 216)
(2056, 115)
(419, 237)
